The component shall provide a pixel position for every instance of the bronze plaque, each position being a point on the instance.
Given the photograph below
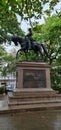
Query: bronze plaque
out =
(34, 78)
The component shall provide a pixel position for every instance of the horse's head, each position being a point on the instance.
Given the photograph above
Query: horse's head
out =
(17, 39)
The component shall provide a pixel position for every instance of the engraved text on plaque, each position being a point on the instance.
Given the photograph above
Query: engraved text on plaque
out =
(34, 78)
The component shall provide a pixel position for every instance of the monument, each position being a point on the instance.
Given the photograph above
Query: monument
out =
(33, 75)
(33, 85)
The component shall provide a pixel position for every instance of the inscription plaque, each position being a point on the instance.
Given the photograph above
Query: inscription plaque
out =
(34, 78)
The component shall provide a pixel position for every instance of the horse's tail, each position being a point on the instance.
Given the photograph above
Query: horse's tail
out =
(45, 50)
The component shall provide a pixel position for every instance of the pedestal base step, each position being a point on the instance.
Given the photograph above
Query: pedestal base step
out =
(35, 106)
(30, 98)
(31, 91)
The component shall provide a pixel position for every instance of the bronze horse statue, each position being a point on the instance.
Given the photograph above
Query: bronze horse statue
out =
(27, 44)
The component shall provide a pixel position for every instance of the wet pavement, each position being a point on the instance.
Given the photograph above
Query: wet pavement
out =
(36, 120)
(3, 102)
(30, 120)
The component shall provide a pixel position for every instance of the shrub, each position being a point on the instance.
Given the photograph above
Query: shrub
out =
(2, 90)
(57, 88)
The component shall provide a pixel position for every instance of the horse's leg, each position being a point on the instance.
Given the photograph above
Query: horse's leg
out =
(23, 51)
(26, 53)
(45, 50)
(18, 52)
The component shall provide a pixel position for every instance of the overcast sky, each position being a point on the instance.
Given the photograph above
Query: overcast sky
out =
(25, 25)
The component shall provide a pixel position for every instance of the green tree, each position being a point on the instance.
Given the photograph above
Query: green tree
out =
(7, 62)
(25, 9)
(9, 24)
(50, 34)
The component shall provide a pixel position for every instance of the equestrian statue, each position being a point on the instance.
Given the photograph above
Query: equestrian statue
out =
(28, 43)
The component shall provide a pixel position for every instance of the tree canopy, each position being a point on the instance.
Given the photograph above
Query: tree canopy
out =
(25, 9)
(50, 34)
(7, 62)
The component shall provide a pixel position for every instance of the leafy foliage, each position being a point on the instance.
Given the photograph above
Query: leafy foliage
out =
(9, 24)
(2, 90)
(24, 9)
(31, 56)
(7, 62)
(50, 34)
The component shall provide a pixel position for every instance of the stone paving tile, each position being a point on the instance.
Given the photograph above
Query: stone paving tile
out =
(3, 102)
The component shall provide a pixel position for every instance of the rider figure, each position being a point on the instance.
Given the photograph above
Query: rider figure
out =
(29, 39)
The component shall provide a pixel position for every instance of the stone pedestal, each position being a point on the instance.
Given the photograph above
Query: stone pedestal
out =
(33, 89)
(33, 75)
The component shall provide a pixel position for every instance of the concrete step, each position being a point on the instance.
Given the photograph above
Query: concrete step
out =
(34, 102)
(34, 97)
(31, 92)
(35, 106)
(30, 98)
